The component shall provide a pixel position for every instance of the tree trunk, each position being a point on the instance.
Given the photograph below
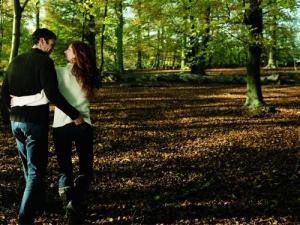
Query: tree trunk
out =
(158, 53)
(37, 14)
(183, 52)
(253, 18)
(271, 61)
(90, 35)
(272, 49)
(1, 28)
(16, 31)
(198, 55)
(119, 33)
(102, 43)
(254, 97)
(88, 29)
(139, 39)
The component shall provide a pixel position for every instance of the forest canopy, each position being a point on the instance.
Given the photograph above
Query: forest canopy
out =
(140, 34)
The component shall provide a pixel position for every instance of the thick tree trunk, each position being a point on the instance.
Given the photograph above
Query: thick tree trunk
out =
(198, 55)
(253, 18)
(254, 97)
(88, 29)
(90, 35)
(16, 31)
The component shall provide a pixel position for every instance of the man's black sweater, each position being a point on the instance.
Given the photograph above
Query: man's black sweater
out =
(28, 74)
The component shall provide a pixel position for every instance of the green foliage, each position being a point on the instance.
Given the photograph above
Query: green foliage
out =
(156, 30)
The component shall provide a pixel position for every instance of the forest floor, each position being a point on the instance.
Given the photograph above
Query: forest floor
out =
(179, 154)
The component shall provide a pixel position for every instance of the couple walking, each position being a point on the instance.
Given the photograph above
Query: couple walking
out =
(31, 82)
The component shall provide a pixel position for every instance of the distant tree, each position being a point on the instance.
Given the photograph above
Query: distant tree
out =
(119, 35)
(139, 64)
(199, 37)
(102, 39)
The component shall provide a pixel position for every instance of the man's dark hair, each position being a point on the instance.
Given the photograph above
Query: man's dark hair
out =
(42, 33)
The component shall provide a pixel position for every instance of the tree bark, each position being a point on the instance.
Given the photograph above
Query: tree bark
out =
(119, 34)
(102, 39)
(16, 31)
(198, 55)
(158, 49)
(1, 27)
(90, 35)
(88, 29)
(183, 52)
(37, 14)
(272, 49)
(254, 20)
(139, 39)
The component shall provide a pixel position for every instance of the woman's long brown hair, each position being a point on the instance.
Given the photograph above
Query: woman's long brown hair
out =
(84, 67)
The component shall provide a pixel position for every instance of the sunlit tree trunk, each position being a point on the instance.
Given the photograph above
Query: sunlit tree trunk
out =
(183, 52)
(253, 18)
(272, 48)
(16, 31)
(271, 61)
(119, 34)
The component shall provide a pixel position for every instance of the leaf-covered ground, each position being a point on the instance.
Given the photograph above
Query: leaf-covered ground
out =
(180, 154)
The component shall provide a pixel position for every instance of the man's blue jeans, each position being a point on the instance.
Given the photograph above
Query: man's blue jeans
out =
(32, 144)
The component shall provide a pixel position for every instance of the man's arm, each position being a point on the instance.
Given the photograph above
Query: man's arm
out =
(50, 86)
(5, 100)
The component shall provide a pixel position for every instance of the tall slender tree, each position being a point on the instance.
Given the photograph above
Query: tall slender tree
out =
(37, 14)
(1, 27)
(89, 26)
(139, 36)
(16, 33)
(119, 34)
(102, 39)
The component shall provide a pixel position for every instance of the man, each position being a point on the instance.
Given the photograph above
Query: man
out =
(30, 73)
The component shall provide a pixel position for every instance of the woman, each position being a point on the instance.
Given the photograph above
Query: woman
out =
(75, 82)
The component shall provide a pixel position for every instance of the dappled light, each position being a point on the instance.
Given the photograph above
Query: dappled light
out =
(180, 154)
